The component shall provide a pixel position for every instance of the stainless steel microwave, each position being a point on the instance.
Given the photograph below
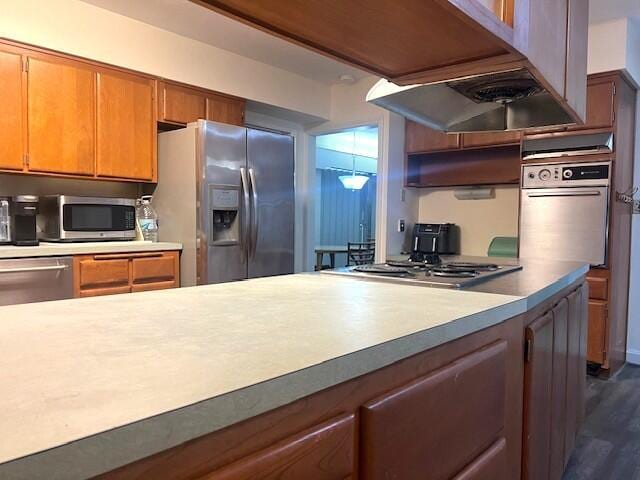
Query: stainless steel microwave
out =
(64, 218)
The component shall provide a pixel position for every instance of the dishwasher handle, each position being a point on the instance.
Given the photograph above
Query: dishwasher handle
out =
(578, 193)
(34, 269)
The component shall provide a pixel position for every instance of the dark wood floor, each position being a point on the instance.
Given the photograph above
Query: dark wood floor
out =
(608, 446)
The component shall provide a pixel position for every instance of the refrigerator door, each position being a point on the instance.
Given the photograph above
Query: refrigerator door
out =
(224, 197)
(271, 170)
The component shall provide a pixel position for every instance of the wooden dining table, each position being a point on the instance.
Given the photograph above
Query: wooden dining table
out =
(331, 250)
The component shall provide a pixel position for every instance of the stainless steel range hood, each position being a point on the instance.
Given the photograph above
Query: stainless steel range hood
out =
(506, 100)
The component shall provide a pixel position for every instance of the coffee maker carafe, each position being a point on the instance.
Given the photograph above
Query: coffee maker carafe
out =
(24, 209)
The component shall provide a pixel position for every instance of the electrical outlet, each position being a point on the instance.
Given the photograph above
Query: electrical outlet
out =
(636, 207)
(401, 225)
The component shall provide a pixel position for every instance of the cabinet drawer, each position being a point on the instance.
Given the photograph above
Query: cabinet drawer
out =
(596, 344)
(469, 393)
(492, 464)
(153, 269)
(598, 288)
(323, 452)
(96, 274)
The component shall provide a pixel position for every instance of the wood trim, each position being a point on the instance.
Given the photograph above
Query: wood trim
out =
(114, 256)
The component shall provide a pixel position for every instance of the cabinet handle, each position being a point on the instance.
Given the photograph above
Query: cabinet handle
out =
(34, 269)
(126, 256)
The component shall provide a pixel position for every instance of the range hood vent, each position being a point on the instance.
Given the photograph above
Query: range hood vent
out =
(508, 100)
(566, 146)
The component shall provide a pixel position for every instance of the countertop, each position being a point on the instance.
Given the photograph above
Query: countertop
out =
(49, 249)
(91, 384)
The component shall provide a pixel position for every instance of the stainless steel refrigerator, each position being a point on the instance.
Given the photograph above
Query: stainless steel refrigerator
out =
(227, 194)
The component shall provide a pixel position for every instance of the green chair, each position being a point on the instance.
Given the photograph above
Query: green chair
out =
(503, 247)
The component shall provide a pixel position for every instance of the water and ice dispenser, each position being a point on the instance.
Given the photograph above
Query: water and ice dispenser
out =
(224, 215)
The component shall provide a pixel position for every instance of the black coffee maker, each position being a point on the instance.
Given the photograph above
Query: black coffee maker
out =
(24, 209)
(430, 240)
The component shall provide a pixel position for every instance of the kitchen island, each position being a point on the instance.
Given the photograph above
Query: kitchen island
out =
(302, 375)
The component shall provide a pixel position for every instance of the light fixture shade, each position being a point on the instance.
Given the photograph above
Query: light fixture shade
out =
(353, 182)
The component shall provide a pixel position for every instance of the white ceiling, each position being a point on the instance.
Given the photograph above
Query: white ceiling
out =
(193, 21)
(603, 10)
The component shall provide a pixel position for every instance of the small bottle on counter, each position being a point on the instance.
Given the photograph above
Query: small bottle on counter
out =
(147, 219)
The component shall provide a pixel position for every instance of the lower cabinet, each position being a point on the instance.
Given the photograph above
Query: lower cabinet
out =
(457, 412)
(554, 382)
(322, 452)
(107, 274)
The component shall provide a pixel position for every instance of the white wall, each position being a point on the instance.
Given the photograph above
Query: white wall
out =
(81, 29)
(479, 220)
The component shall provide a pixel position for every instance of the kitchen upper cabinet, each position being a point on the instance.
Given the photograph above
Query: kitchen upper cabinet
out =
(126, 128)
(221, 108)
(489, 139)
(600, 104)
(179, 104)
(419, 138)
(470, 393)
(11, 118)
(61, 116)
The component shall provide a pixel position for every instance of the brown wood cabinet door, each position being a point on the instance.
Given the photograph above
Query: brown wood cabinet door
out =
(419, 138)
(438, 423)
(180, 104)
(126, 127)
(582, 365)
(100, 277)
(596, 346)
(488, 139)
(323, 452)
(61, 116)
(538, 386)
(489, 465)
(225, 109)
(155, 272)
(575, 394)
(11, 119)
(559, 393)
(600, 105)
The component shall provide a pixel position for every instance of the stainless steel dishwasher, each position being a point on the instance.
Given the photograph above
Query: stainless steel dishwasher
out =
(27, 280)
(564, 211)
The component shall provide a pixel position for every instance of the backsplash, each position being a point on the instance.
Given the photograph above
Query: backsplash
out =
(479, 220)
(11, 185)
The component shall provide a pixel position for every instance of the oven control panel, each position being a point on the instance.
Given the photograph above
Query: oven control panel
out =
(554, 175)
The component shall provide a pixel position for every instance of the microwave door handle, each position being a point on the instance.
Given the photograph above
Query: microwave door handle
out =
(580, 193)
(254, 212)
(245, 214)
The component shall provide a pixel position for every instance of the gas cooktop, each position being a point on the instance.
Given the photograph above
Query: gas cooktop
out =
(447, 274)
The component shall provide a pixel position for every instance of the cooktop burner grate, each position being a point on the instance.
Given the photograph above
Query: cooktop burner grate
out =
(381, 269)
(454, 272)
(472, 266)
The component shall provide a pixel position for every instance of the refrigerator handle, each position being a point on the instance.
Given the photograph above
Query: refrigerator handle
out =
(254, 213)
(245, 213)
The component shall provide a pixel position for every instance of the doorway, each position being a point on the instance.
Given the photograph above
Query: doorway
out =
(346, 183)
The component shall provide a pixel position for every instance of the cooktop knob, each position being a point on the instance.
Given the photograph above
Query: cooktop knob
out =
(532, 175)
(567, 173)
(545, 174)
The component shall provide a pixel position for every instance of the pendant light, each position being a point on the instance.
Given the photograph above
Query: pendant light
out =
(353, 181)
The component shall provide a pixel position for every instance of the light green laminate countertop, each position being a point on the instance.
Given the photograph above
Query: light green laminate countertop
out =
(87, 385)
(51, 249)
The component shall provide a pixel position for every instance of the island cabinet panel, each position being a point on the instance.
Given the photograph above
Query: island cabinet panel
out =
(61, 112)
(126, 127)
(107, 274)
(323, 452)
(575, 372)
(488, 466)
(538, 388)
(439, 423)
(11, 119)
(559, 392)
(179, 104)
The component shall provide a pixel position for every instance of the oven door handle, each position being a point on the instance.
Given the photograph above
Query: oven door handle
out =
(579, 193)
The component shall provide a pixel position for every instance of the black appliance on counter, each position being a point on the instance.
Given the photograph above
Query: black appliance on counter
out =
(24, 209)
(433, 239)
